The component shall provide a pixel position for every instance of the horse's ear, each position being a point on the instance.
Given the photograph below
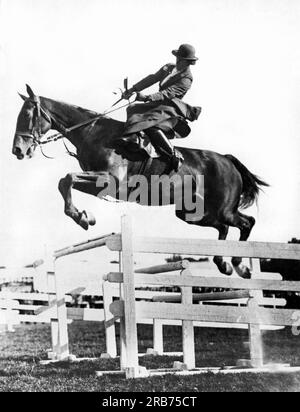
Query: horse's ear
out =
(29, 91)
(23, 97)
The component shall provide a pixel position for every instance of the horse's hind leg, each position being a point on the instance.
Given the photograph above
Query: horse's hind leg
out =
(210, 221)
(223, 266)
(84, 182)
(245, 224)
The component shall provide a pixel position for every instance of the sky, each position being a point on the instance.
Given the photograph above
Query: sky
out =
(247, 81)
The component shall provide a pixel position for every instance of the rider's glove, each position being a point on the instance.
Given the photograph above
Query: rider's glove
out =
(140, 97)
(128, 93)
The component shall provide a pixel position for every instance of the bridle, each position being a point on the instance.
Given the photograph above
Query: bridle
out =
(36, 134)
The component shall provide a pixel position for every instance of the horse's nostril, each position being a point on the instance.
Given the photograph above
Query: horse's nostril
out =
(18, 152)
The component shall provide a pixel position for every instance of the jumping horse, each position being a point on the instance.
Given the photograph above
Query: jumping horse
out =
(229, 186)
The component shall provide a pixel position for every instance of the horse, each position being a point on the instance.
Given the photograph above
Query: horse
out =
(229, 186)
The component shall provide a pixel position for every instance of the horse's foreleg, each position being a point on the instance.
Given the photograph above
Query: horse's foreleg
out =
(84, 182)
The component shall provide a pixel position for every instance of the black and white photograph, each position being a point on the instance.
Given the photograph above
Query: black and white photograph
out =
(149, 198)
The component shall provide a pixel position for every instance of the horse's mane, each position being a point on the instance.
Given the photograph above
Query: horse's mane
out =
(70, 114)
(67, 106)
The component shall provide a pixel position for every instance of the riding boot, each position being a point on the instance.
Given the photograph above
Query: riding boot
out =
(164, 147)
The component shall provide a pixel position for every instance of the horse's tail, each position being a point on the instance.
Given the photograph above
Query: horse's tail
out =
(251, 183)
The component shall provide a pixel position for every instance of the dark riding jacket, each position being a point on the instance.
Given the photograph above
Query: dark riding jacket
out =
(165, 108)
(170, 85)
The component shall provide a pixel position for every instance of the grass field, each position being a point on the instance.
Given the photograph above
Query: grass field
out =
(21, 351)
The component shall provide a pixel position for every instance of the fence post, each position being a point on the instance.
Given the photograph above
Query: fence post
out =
(9, 316)
(123, 361)
(188, 342)
(158, 339)
(61, 339)
(109, 322)
(256, 274)
(52, 354)
(256, 348)
(132, 360)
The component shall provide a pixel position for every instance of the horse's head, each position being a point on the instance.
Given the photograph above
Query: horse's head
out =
(33, 122)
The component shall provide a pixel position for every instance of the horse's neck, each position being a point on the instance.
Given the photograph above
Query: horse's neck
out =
(66, 116)
(94, 142)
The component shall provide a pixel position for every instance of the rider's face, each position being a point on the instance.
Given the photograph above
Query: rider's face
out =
(181, 63)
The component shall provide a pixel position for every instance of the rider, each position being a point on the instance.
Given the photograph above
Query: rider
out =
(163, 115)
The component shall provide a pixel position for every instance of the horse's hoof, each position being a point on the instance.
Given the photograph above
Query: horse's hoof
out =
(90, 217)
(243, 271)
(83, 220)
(226, 269)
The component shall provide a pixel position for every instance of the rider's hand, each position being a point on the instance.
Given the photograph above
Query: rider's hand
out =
(128, 93)
(140, 97)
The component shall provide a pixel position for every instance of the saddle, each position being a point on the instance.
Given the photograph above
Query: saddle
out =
(140, 143)
(150, 144)
(136, 146)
